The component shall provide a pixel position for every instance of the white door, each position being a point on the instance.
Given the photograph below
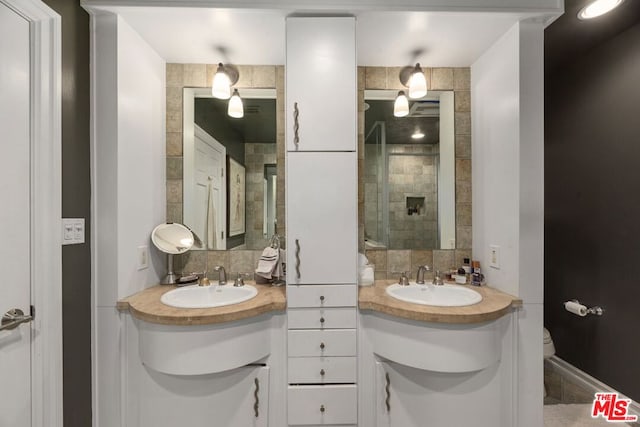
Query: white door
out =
(15, 217)
(322, 218)
(321, 79)
(209, 190)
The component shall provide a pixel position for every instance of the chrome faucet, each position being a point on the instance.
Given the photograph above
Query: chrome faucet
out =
(437, 279)
(420, 275)
(222, 278)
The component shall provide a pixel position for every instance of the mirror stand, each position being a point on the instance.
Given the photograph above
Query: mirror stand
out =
(171, 278)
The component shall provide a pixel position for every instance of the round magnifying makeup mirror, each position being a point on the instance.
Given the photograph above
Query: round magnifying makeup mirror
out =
(172, 239)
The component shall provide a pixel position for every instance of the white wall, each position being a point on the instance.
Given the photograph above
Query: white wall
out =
(128, 191)
(508, 192)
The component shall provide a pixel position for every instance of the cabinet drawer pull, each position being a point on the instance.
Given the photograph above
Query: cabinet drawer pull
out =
(322, 320)
(322, 372)
(321, 346)
(387, 391)
(296, 125)
(321, 298)
(322, 409)
(298, 259)
(256, 405)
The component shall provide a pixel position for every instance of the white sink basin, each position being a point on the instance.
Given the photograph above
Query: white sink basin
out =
(442, 296)
(195, 296)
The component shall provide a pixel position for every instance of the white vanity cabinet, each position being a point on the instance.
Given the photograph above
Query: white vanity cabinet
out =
(321, 84)
(322, 218)
(236, 398)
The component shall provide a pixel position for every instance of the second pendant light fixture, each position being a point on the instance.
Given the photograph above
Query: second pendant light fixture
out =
(223, 79)
(414, 79)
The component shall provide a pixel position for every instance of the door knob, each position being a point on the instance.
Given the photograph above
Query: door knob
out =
(13, 318)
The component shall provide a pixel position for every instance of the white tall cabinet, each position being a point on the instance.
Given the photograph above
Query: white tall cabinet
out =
(321, 135)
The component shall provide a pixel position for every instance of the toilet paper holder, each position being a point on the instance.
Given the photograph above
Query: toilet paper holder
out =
(596, 310)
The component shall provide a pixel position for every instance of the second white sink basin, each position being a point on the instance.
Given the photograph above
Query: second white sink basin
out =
(195, 296)
(441, 296)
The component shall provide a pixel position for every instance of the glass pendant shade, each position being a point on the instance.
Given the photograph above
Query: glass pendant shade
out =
(417, 83)
(221, 86)
(235, 109)
(598, 8)
(401, 106)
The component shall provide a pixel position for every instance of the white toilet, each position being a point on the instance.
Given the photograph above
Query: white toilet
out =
(548, 350)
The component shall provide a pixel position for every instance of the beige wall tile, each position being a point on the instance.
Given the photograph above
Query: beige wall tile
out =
(443, 260)
(421, 257)
(194, 262)
(463, 169)
(174, 75)
(194, 75)
(379, 258)
(361, 78)
(174, 191)
(241, 261)
(462, 100)
(375, 77)
(398, 261)
(264, 76)
(460, 255)
(463, 214)
(174, 99)
(174, 168)
(461, 79)
(393, 78)
(214, 259)
(174, 121)
(463, 123)
(174, 144)
(463, 146)
(246, 76)
(463, 192)
(442, 78)
(174, 212)
(463, 237)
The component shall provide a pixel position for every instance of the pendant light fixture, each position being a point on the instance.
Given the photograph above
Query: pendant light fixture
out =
(401, 105)
(223, 79)
(417, 83)
(235, 108)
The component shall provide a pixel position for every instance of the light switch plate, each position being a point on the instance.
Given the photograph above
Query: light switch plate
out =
(494, 256)
(143, 257)
(72, 231)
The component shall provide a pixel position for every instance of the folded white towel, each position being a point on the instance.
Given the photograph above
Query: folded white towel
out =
(268, 262)
(366, 275)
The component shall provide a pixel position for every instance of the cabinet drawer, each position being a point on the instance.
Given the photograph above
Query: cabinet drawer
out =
(322, 405)
(318, 370)
(334, 342)
(322, 295)
(321, 318)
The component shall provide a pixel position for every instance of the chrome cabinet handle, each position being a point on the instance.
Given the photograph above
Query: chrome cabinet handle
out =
(322, 372)
(296, 125)
(321, 346)
(13, 318)
(256, 405)
(321, 298)
(298, 259)
(387, 391)
(322, 320)
(322, 409)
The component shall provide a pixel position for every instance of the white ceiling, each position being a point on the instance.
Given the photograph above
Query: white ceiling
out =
(244, 36)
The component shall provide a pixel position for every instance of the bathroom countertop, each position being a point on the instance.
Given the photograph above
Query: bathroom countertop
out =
(146, 305)
(494, 305)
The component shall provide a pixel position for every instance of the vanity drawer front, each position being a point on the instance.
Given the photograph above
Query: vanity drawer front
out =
(313, 342)
(322, 295)
(318, 370)
(322, 318)
(322, 405)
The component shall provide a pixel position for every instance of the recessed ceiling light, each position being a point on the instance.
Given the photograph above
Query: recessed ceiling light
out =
(598, 8)
(417, 135)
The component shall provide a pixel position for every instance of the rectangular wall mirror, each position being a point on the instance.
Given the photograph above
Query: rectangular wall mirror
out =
(409, 172)
(229, 169)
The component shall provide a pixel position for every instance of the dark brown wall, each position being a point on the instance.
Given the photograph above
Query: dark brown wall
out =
(592, 209)
(76, 197)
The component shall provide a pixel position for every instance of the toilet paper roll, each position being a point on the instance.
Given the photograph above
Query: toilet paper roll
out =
(575, 308)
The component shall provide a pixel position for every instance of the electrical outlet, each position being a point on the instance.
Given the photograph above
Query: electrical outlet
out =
(494, 256)
(143, 257)
(72, 231)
